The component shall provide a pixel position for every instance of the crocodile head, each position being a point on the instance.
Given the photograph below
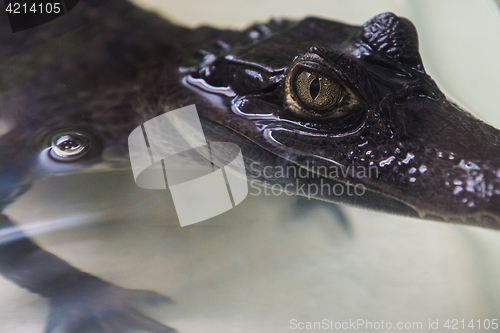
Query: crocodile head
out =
(328, 96)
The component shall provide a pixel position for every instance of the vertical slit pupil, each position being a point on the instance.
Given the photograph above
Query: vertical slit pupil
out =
(314, 88)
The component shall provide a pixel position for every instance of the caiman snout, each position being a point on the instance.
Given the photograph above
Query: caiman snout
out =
(447, 162)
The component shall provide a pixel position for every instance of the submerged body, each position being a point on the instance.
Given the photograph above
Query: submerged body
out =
(280, 107)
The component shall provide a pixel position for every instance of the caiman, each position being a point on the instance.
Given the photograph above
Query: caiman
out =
(311, 94)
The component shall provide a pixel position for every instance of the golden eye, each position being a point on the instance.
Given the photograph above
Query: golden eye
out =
(311, 94)
(317, 91)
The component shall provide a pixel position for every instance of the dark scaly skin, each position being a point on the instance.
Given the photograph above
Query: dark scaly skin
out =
(107, 67)
(435, 159)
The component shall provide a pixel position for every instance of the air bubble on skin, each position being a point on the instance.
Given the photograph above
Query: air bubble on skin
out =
(457, 190)
(69, 146)
(363, 144)
(476, 185)
(422, 168)
(479, 178)
(408, 158)
(469, 187)
(387, 161)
